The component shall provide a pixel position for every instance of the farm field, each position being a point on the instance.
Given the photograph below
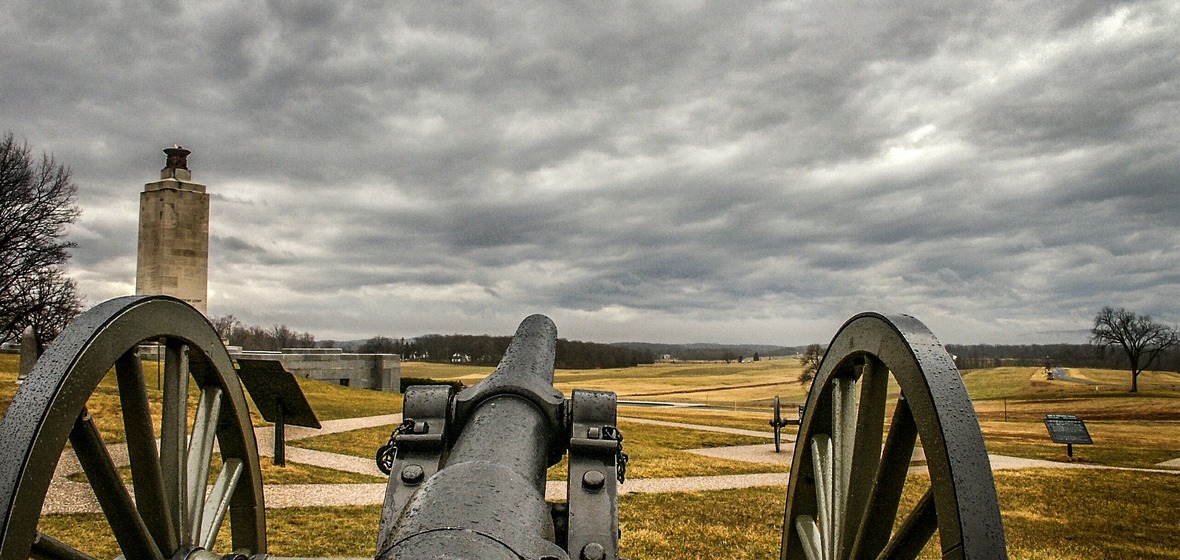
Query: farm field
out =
(1048, 513)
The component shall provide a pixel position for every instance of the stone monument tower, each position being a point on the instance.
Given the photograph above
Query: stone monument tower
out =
(173, 255)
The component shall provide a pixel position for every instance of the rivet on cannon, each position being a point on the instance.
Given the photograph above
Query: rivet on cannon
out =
(593, 551)
(412, 474)
(593, 480)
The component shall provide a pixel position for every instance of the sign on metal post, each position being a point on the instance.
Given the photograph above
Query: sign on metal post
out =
(279, 399)
(1067, 429)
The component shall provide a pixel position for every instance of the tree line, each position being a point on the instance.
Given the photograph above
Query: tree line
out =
(976, 356)
(487, 350)
(252, 337)
(711, 352)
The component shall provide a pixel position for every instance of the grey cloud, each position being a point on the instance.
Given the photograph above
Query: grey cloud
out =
(445, 166)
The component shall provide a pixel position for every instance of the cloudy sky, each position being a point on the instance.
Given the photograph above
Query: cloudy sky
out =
(658, 171)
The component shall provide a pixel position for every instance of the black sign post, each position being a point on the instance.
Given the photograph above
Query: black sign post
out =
(1067, 429)
(279, 399)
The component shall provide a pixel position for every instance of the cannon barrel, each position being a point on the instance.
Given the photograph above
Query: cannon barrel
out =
(487, 499)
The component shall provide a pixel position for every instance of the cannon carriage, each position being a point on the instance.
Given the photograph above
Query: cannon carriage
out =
(467, 469)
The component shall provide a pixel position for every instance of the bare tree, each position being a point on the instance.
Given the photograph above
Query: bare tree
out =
(50, 301)
(1141, 338)
(225, 325)
(811, 359)
(36, 207)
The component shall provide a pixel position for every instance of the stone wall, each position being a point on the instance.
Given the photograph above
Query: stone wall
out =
(380, 372)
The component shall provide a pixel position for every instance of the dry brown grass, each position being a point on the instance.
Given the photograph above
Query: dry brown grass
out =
(712, 382)
(655, 451)
(758, 420)
(1066, 514)
(1121, 444)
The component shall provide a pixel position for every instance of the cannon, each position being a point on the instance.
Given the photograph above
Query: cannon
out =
(467, 470)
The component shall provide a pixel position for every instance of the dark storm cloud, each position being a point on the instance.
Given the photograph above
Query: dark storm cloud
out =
(664, 171)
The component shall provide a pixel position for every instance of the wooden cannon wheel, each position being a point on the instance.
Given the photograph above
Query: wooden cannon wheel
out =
(173, 512)
(848, 476)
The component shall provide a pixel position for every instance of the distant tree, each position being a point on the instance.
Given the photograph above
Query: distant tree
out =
(284, 337)
(756, 358)
(36, 207)
(251, 337)
(225, 325)
(51, 303)
(811, 358)
(379, 345)
(1141, 338)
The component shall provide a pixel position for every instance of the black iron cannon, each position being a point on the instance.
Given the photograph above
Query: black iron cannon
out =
(467, 471)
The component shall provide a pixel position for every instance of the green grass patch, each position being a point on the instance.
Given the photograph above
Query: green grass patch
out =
(468, 374)
(357, 443)
(332, 402)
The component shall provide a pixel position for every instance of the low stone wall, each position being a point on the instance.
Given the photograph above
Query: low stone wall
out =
(380, 372)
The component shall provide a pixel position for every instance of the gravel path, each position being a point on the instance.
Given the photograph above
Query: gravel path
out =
(1174, 463)
(265, 436)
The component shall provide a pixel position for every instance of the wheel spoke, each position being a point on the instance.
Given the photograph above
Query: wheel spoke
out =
(46, 547)
(149, 515)
(809, 536)
(821, 458)
(866, 459)
(141, 450)
(915, 531)
(173, 433)
(200, 453)
(219, 499)
(126, 523)
(881, 509)
(848, 476)
(844, 422)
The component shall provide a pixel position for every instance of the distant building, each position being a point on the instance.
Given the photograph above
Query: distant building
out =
(173, 254)
(380, 372)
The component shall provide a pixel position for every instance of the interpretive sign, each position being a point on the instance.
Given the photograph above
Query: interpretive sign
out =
(278, 397)
(1067, 429)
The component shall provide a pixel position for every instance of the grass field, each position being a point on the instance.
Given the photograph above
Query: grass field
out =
(747, 384)
(1048, 514)
(655, 451)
